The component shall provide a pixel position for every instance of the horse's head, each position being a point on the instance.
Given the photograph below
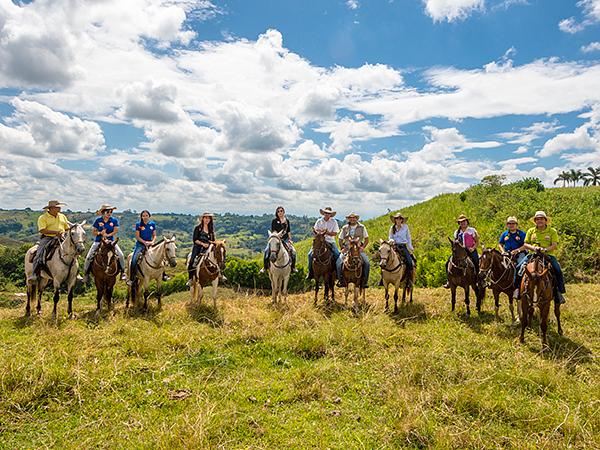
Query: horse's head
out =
(354, 246)
(106, 253)
(77, 236)
(275, 244)
(220, 252)
(458, 250)
(319, 240)
(488, 257)
(385, 251)
(171, 251)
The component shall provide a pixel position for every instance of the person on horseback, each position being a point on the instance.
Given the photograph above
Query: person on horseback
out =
(281, 223)
(145, 236)
(468, 237)
(51, 225)
(105, 227)
(543, 238)
(400, 234)
(329, 226)
(353, 229)
(204, 234)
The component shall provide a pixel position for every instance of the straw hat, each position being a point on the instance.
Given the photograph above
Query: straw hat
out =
(462, 217)
(353, 214)
(397, 216)
(327, 210)
(512, 219)
(207, 214)
(540, 214)
(104, 207)
(53, 203)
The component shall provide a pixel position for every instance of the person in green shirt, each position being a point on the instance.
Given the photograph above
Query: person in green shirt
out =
(545, 239)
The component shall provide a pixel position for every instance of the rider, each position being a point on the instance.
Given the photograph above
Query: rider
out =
(51, 225)
(512, 241)
(353, 229)
(145, 236)
(545, 239)
(107, 227)
(468, 237)
(329, 226)
(281, 223)
(400, 234)
(204, 234)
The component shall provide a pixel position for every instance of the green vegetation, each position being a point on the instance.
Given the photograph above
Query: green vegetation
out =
(251, 376)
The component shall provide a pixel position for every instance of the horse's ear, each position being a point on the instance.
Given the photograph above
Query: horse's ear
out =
(451, 241)
(115, 241)
(381, 241)
(82, 222)
(173, 236)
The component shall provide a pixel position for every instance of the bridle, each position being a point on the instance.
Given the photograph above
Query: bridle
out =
(384, 267)
(277, 251)
(489, 272)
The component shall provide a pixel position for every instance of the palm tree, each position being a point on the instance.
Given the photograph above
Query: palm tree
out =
(575, 176)
(592, 176)
(564, 177)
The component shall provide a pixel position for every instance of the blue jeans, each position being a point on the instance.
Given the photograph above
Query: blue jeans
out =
(339, 265)
(136, 253)
(560, 279)
(521, 258)
(407, 257)
(334, 249)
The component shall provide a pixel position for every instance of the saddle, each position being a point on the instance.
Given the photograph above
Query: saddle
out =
(48, 250)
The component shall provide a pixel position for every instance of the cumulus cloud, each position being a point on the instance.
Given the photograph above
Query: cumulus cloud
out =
(591, 47)
(151, 102)
(452, 10)
(36, 130)
(580, 139)
(531, 133)
(591, 16)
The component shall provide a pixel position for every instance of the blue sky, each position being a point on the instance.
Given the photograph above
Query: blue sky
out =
(188, 105)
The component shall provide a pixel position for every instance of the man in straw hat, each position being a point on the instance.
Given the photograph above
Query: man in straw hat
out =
(545, 239)
(353, 229)
(329, 226)
(105, 227)
(51, 225)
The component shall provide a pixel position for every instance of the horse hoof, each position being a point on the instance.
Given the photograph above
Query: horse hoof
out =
(522, 340)
(560, 331)
(71, 316)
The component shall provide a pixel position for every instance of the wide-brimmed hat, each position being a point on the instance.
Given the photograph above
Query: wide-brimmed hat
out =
(353, 214)
(207, 214)
(512, 219)
(398, 215)
(327, 210)
(53, 203)
(104, 207)
(540, 214)
(462, 217)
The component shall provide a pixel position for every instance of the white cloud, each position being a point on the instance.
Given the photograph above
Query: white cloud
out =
(591, 47)
(591, 12)
(521, 150)
(452, 10)
(528, 134)
(579, 139)
(352, 4)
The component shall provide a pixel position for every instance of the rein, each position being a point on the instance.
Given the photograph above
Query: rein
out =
(160, 264)
(400, 264)
(62, 253)
(317, 257)
(489, 275)
(280, 248)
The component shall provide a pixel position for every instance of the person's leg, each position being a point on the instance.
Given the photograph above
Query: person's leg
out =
(193, 256)
(310, 266)
(39, 255)
(560, 279)
(407, 258)
(520, 269)
(121, 257)
(88, 260)
(134, 259)
(366, 268)
(339, 269)
(475, 258)
(266, 258)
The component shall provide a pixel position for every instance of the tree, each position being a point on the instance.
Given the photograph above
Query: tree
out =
(564, 177)
(493, 180)
(575, 176)
(591, 177)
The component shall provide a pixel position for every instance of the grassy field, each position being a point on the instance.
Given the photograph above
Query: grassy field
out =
(254, 376)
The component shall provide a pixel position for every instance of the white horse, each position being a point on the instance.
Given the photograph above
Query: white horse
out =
(393, 272)
(279, 266)
(208, 271)
(61, 268)
(150, 266)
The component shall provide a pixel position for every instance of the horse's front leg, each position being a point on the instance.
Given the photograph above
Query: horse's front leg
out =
(496, 303)
(286, 280)
(316, 290)
(159, 293)
(99, 295)
(41, 285)
(453, 296)
(387, 296)
(511, 305)
(467, 300)
(544, 312)
(30, 295)
(523, 306)
(396, 287)
(56, 298)
(215, 283)
(404, 293)
(70, 303)
(557, 314)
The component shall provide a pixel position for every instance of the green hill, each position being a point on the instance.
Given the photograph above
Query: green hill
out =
(574, 213)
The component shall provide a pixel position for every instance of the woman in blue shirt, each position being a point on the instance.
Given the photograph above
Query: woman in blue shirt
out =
(145, 236)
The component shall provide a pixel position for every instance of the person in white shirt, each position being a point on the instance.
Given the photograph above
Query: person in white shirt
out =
(400, 234)
(353, 229)
(328, 225)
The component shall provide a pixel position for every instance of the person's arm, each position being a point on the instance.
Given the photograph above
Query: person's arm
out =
(336, 229)
(42, 227)
(153, 236)
(138, 237)
(342, 240)
(391, 233)
(409, 245)
(365, 243)
(475, 241)
(114, 231)
(289, 230)
(528, 245)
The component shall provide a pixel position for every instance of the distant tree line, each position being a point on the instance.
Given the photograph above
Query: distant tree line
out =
(589, 178)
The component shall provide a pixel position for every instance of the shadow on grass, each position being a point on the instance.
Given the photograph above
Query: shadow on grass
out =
(137, 312)
(330, 307)
(562, 349)
(23, 321)
(205, 313)
(409, 312)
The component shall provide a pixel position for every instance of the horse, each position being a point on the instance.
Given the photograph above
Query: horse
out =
(150, 266)
(208, 270)
(323, 266)
(352, 269)
(498, 271)
(105, 268)
(393, 271)
(461, 272)
(61, 268)
(280, 266)
(537, 288)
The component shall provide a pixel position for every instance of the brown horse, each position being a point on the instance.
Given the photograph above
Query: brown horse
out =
(352, 268)
(461, 272)
(498, 270)
(537, 288)
(323, 266)
(105, 268)
(208, 271)
(393, 271)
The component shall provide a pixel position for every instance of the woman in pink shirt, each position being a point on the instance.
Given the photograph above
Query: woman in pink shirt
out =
(469, 238)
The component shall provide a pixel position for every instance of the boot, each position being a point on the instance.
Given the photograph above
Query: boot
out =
(446, 285)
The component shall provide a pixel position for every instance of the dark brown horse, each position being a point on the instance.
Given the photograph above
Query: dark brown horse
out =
(352, 269)
(105, 268)
(498, 271)
(323, 266)
(537, 288)
(461, 272)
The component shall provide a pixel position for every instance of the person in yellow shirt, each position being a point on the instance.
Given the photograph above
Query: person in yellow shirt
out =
(51, 224)
(545, 239)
